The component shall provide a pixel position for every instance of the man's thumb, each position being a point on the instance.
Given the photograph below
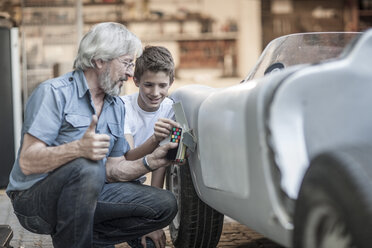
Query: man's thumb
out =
(93, 124)
(172, 145)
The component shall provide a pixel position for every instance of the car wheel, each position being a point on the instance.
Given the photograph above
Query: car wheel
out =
(196, 224)
(334, 205)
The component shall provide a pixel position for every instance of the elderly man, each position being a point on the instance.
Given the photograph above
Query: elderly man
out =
(71, 179)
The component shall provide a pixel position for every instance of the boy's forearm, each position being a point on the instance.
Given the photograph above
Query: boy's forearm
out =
(157, 178)
(146, 148)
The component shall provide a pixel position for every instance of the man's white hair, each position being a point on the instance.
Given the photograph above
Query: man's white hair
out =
(106, 41)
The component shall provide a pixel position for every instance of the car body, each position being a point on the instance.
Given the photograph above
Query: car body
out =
(306, 104)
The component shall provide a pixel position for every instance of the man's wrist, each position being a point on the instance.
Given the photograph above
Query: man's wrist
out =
(146, 164)
(77, 148)
(155, 140)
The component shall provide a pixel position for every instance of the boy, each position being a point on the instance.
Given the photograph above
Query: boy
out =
(149, 112)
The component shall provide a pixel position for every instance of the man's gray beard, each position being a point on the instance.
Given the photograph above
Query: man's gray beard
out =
(107, 84)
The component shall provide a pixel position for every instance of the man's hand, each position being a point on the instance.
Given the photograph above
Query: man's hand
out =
(158, 158)
(163, 128)
(158, 237)
(92, 145)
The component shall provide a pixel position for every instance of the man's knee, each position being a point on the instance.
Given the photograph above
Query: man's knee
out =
(89, 173)
(169, 204)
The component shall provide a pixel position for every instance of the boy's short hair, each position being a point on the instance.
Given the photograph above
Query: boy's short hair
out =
(155, 59)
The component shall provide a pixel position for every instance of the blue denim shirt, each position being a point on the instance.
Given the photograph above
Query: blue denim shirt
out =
(59, 111)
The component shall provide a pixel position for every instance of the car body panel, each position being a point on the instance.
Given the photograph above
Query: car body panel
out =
(320, 108)
(255, 139)
(219, 182)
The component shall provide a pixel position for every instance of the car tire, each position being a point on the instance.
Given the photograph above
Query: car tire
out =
(196, 224)
(334, 205)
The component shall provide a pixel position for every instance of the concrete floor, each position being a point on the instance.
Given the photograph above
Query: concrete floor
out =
(234, 235)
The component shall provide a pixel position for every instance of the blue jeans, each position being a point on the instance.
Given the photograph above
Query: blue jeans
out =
(78, 209)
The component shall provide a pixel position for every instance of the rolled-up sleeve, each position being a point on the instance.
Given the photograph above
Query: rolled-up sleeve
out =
(121, 147)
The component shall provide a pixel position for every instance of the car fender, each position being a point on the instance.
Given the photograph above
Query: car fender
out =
(320, 108)
(231, 161)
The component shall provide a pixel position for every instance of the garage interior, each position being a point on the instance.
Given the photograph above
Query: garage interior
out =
(205, 36)
(214, 42)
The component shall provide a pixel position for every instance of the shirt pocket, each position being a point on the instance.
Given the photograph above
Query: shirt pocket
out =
(73, 127)
(78, 121)
(115, 129)
(117, 138)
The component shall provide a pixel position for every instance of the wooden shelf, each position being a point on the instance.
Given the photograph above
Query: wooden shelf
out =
(365, 12)
(191, 37)
(361, 19)
(103, 4)
(156, 20)
(62, 4)
(44, 5)
(70, 23)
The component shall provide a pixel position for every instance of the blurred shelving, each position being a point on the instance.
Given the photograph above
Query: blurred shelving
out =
(52, 29)
(361, 14)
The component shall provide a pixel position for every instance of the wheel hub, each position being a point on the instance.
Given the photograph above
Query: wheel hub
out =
(175, 187)
(326, 229)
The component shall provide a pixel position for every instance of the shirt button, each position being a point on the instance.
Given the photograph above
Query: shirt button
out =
(70, 79)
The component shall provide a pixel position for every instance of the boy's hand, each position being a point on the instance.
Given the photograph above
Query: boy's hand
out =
(158, 238)
(163, 128)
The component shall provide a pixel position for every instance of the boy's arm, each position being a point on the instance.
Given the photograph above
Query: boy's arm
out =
(135, 153)
(157, 178)
(129, 139)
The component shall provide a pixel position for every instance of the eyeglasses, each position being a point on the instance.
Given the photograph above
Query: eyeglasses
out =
(127, 65)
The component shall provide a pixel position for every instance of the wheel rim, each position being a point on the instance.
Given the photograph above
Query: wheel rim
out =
(326, 229)
(175, 187)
